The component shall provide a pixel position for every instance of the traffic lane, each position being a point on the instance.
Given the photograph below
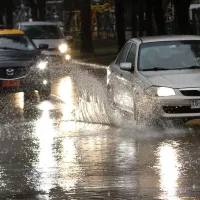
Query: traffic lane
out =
(49, 156)
(67, 160)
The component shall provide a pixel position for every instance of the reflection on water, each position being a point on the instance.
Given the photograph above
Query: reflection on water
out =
(68, 165)
(65, 92)
(68, 160)
(46, 165)
(19, 101)
(169, 171)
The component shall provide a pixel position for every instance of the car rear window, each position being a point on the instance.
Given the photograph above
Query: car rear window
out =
(42, 31)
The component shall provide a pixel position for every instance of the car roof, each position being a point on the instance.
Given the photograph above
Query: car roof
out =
(37, 23)
(167, 38)
(11, 32)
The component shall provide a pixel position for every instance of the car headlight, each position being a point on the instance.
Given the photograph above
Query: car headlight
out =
(63, 48)
(42, 65)
(67, 57)
(160, 91)
(165, 92)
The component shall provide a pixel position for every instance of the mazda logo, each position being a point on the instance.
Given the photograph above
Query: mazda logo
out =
(10, 71)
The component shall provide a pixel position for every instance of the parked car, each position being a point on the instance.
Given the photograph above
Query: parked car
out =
(157, 78)
(22, 67)
(48, 33)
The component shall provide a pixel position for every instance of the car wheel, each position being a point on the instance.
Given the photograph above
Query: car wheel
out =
(141, 118)
(110, 94)
(29, 95)
(137, 114)
(45, 93)
(111, 106)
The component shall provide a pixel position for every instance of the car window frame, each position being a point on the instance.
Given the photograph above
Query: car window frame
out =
(136, 47)
(117, 61)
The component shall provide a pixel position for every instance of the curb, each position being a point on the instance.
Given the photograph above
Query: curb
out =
(97, 66)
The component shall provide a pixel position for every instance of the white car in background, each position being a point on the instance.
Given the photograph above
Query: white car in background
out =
(48, 33)
(157, 78)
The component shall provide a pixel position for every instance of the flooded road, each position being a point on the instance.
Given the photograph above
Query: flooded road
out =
(65, 148)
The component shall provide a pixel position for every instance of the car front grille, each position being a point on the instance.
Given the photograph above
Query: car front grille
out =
(179, 109)
(190, 92)
(18, 72)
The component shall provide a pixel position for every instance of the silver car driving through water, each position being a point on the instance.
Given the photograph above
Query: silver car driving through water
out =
(157, 77)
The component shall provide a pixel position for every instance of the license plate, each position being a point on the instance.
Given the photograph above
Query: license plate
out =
(13, 83)
(195, 104)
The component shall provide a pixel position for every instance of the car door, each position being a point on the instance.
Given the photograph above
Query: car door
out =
(126, 79)
(120, 87)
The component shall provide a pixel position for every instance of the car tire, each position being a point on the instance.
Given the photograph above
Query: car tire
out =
(111, 106)
(137, 114)
(29, 95)
(140, 117)
(45, 93)
(110, 97)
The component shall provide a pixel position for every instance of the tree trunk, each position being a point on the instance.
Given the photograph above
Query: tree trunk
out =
(34, 11)
(1, 15)
(120, 26)
(149, 18)
(141, 19)
(86, 34)
(9, 13)
(134, 20)
(159, 17)
(68, 22)
(182, 15)
(42, 10)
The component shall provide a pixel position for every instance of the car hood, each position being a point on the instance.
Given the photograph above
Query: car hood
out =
(17, 58)
(174, 79)
(52, 42)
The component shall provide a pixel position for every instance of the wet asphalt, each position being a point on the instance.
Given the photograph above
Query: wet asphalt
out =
(65, 147)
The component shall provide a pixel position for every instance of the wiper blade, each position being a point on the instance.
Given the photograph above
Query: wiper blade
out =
(194, 67)
(191, 67)
(10, 48)
(156, 69)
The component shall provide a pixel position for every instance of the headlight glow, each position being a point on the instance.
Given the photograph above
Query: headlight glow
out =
(67, 57)
(45, 82)
(63, 48)
(165, 92)
(42, 65)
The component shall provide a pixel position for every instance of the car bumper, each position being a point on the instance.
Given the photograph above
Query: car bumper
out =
(33, 81)
(57, 56)
(175, 107)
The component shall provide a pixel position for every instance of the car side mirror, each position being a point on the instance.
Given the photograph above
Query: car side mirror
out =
(43, 46)
(69, 38)
(126, 66)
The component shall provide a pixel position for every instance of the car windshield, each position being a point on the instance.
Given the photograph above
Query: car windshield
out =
(15, 42)
(42, 31)
(169, 55)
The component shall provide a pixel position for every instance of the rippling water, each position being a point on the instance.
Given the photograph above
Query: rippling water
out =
(67, 149)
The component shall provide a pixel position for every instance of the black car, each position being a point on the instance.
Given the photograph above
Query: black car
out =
(22, 66)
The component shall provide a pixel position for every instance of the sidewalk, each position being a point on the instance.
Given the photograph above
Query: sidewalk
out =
(105, 51)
